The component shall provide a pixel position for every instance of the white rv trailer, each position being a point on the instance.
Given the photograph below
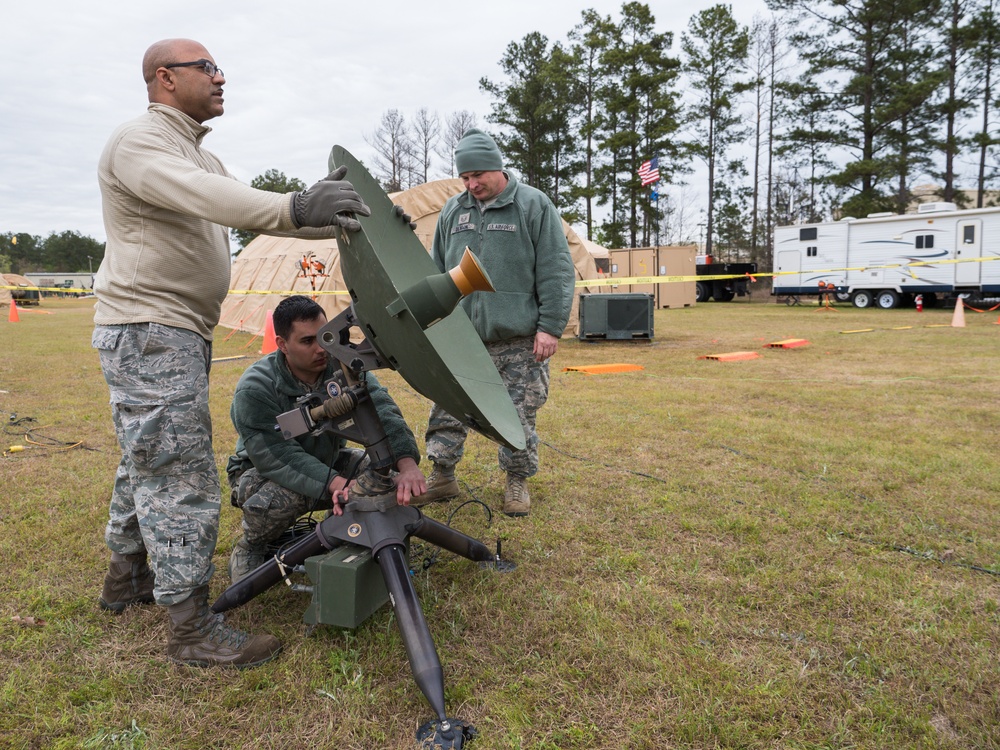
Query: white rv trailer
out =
(886, 259)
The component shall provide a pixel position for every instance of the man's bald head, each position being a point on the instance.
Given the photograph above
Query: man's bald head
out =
(168, 51)
(184, 87)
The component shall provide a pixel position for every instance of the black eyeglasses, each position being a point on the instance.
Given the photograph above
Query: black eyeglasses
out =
(207, 65)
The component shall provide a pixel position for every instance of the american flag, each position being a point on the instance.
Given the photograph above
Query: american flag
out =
(649, 172)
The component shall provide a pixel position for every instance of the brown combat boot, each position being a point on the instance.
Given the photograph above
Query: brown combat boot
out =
(515, 499)
(201, 638)
(441, 485)
(129, 581)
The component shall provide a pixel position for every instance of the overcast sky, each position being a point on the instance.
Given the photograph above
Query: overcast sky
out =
(301, 77)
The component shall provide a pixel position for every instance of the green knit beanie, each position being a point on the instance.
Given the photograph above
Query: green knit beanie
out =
(477, 152)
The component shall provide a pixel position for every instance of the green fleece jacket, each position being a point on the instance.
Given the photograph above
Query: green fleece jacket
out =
(268, 389)
(520, 242)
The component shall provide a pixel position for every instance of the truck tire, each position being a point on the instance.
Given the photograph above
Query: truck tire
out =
(862, 298)
(701, 292)
(887, 299)
(722, 294)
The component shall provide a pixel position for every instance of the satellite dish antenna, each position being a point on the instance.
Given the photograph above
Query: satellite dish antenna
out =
(389, 275)
(407, 310)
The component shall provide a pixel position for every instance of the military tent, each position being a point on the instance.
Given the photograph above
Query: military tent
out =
(23, 296)
(283, 264)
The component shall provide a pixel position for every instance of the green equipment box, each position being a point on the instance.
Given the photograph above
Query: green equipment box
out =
(347, 587)
(626, 317)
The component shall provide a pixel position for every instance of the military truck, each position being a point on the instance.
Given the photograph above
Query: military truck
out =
(722, 290)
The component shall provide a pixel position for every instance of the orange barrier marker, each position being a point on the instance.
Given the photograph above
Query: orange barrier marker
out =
(12, 316)
(601, 369)
(788, 343)
(731, 356)
(269, 344)
(958, 318)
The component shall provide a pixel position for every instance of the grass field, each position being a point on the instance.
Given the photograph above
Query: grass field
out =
(796, 551)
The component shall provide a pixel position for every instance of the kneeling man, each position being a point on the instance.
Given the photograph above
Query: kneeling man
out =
(275, 480)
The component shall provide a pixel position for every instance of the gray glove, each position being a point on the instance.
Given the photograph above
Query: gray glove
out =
(407, 219)
(331, 201)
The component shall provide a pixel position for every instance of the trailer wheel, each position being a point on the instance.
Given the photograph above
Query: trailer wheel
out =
(862, 298)
(701, 292)
(887, 299)
(724, 295)
(842, 296)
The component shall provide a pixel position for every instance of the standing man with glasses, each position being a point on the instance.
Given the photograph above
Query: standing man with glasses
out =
(168, 205)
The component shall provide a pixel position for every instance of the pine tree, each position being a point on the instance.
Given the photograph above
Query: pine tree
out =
(715, 50)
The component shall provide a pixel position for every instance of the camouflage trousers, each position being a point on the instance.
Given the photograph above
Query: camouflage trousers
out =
(166, 492)
(269, 509)
(527, 383)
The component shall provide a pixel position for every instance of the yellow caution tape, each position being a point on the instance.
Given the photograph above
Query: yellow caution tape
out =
(602, 280)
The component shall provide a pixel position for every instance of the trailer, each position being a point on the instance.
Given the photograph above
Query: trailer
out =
(886, 260)
(721, 290)
(73, 284)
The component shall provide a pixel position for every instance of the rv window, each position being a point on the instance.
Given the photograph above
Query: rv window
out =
(806, 234)
(924, 240)
(810, 252)
(969, 235)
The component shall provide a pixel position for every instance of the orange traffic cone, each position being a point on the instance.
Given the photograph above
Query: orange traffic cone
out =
(269, 344)
(958, 318)
(12, 316)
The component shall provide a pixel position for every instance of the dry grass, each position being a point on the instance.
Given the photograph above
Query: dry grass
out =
(798, 551)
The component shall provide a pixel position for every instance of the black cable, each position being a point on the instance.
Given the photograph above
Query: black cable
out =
(431, 559)
(36, 438)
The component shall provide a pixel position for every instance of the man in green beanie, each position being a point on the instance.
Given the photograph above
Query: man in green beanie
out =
(517, 234)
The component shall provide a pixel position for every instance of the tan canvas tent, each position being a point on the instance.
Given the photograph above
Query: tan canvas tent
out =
(283, 264)
(29, 296)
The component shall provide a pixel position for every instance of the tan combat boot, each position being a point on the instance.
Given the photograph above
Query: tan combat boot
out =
(441, 485)
(515, 498)
(129, 581)
(201, 638)
(244, 560)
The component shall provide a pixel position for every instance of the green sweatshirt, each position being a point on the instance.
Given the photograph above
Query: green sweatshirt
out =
(268, 389)
(520, 241)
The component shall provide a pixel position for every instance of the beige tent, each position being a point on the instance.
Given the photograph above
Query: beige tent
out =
(282, 264)
(271, 268)
(23, 296)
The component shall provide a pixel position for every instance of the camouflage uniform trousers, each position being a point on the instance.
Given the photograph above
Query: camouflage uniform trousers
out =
(527, 383)
(269, 509)
(166, 494)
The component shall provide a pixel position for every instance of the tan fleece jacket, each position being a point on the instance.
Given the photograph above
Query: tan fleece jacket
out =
(168, 205)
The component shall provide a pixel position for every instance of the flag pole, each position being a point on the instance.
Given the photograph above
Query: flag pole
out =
(656, 216)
